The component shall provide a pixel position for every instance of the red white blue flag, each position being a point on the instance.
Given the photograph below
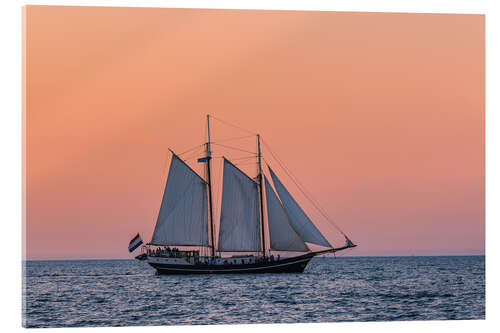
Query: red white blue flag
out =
(135, 243)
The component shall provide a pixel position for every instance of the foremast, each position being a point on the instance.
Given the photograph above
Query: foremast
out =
(209, 183)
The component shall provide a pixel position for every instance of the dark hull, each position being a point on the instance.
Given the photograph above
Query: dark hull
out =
(289, 265)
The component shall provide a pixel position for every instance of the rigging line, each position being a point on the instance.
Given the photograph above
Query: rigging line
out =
(191, 149)
(229, 124)
(192, 158)
(193, 155)
(246, 151)
(245, 163)
(243, 158)
(235, 138)
(343, 253)
(303, 190)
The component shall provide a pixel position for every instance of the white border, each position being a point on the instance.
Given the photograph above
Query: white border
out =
(11, 153)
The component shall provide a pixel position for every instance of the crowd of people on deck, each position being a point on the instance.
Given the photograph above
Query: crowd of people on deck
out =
(166, 251)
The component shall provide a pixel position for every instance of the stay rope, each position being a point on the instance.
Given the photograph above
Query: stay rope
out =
(232, 125)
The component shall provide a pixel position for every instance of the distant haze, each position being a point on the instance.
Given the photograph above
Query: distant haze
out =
(380, 116)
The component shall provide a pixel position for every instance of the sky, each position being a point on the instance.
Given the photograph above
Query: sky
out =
(379, 115)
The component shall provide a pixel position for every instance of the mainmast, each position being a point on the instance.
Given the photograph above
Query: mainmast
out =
(261, 181)
(209, 157)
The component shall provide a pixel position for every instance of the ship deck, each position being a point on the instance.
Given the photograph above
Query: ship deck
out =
(283, 265)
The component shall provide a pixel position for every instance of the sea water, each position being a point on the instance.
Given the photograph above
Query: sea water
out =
(127, 292)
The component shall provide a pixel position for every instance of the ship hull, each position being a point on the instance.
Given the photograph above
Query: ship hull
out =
(288, 265)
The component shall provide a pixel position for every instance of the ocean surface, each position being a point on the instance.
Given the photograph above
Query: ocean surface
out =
(128, 293)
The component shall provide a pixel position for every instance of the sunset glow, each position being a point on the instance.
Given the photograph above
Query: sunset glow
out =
(380, 116)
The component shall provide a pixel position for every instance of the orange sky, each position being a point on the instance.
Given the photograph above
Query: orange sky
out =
(381, 117)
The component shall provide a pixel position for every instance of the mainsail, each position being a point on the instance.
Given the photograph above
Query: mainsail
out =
(183, 216)
(297, 217)
(239, 218)
(282, 236)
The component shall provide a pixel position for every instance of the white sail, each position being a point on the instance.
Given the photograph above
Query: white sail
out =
(282, 235)
(183, 216)
(239, 218)
(297, 217)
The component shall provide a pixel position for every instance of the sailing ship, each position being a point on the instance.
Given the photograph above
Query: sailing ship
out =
(186, 219)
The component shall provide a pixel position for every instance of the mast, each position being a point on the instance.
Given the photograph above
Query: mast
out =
(209, 157)
(261, 197)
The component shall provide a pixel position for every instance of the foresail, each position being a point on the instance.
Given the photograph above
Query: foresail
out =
(239, 218)
(297, 217)
(183, 216)
(282, 235)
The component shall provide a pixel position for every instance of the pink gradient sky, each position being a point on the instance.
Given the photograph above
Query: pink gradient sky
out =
(381, 117)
